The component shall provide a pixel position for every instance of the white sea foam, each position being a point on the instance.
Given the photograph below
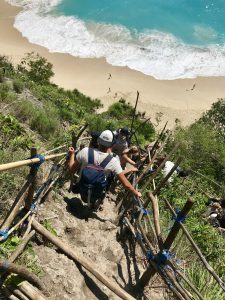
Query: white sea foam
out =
(151, 52)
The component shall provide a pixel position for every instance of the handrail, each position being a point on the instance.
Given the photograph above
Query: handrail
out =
(27, 162)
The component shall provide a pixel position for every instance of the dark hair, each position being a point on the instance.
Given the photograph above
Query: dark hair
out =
(125, 131)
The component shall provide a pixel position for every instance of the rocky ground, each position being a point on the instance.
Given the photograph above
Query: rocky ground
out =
(95, 238)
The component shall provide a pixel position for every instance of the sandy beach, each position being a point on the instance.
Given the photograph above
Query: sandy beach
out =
(184, 99)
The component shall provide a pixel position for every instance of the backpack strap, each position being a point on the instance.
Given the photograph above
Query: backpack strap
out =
(90, 156)
(105, 162)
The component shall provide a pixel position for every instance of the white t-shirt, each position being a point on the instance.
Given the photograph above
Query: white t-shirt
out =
(167, 168)
(113, 166)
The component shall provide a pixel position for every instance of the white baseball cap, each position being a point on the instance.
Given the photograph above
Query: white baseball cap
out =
(106, 138)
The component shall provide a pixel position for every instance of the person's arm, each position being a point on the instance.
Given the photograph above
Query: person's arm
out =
(128, 159)
(122, 178)
(73, 164)
(128, 171)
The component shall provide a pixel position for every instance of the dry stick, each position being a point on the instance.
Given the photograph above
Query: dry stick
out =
(165, 179)
(134, 114)
(21, 247)
(158, 139)
(160, 167)
(81, 260)
(168, 242)
(155, 209)
(197, 250)
(16, 205)
(30, 291)
(27, 162)
(21, 271)
(190, 284)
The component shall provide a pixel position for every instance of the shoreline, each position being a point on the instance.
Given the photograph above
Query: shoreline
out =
(183, 99)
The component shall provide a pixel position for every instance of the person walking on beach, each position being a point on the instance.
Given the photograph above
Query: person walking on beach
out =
(110, 76)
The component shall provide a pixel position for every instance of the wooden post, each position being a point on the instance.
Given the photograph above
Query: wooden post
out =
(177, 225)
(33, 186)
(88, 265)
(197, 250)
(146, 276)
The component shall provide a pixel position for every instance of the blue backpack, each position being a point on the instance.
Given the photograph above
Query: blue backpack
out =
(93, 182)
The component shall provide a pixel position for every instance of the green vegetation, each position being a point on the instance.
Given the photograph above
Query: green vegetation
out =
(33, 110)
(202, 148)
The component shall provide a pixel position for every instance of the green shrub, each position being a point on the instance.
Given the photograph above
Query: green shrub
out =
(18, 86)
(36, 68)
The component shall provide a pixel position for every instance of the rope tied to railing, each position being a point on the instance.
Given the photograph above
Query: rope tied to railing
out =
(35, 167)
(161, 259)
(4, 234)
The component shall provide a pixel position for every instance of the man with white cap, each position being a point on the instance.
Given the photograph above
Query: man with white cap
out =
(103, 153)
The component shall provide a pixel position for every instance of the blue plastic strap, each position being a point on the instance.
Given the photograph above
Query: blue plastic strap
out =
(139, 236)
(4, 234)
(90, 156)
(145, 211)
(163, 257)
(35, 167)
(149, 255)
(33, 207)
(179, 217)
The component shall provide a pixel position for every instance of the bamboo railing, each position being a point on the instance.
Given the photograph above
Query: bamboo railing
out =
(156, 250)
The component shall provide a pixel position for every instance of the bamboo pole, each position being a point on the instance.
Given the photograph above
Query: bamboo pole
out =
(84, 262)
(27, 162)
(21, 271)
(17, 292)
(9, 294)
(16, 205)
(155, 209)
(197, 250)
(31, 292)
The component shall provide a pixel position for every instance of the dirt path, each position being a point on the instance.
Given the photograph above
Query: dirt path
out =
(95, 239)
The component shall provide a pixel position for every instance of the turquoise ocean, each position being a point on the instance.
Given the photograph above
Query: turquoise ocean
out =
(167, 39)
